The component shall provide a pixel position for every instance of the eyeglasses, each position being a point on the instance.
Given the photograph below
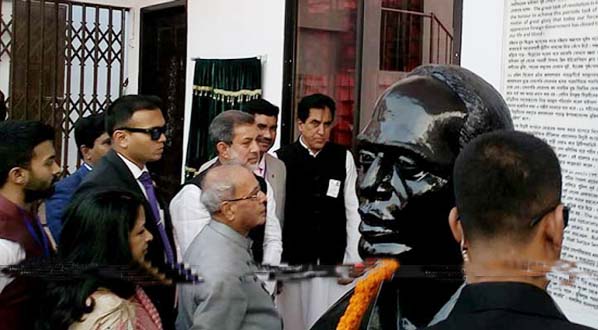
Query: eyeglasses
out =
(253, 196)
(537, 219)
(155, 132)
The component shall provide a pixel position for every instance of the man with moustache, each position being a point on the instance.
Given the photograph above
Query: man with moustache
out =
(93, 143)
(321, 216)
(231, 297)
(27, 170)
(234, 134)
(269, 167)
(136, 125)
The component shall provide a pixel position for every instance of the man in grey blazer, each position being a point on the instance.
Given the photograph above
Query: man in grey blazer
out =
(231, 296)
(269, 167)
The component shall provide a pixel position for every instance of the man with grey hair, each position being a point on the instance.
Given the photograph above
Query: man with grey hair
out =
(234, 134)
(230, 296)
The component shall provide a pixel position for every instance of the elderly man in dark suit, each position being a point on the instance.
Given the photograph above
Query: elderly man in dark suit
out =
(93, 143)
(136, 126)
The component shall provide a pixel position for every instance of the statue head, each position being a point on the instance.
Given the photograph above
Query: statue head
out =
(406, 155)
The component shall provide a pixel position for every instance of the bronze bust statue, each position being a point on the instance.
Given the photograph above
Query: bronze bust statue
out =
(406, 155)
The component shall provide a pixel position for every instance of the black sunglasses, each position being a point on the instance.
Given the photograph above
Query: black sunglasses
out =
(155, 132)
(537, 219)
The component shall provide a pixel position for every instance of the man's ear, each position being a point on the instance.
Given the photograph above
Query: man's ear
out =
(553, 230)
(222, 149)
(18, 175)
(120, 139)
(227, 210)
(455, 225)
(85, 151)
(300, 125)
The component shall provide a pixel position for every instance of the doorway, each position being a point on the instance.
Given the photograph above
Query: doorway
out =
(162, 68)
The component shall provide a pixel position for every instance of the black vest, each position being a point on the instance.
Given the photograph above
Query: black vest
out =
(315, 223)
(257, 233)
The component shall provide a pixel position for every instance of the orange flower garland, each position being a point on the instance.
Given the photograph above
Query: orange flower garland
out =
(365, 290)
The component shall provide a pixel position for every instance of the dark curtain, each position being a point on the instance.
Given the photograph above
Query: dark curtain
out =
(218, 85)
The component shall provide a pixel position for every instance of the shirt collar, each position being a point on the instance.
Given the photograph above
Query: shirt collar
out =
(230, 234)
(88, 167)
(135, 170)
(311, 153)
(514, 296)
(260, 170)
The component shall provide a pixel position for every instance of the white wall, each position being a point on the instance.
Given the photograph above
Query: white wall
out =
(481, 45)
(236, 29)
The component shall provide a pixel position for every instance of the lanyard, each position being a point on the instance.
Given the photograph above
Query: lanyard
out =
(31, 224)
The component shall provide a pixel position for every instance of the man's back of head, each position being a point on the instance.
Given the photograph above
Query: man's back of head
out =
(502, 181)
(509, 221)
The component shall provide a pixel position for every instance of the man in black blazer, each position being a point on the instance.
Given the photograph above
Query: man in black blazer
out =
(509, 222)
(136, 126)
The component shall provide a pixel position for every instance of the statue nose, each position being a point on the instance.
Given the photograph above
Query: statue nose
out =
(383, 182)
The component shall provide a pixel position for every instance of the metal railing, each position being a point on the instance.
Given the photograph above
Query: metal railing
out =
(423, 33)
(66, 60)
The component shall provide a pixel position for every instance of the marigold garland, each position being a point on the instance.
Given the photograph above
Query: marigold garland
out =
(365, 290)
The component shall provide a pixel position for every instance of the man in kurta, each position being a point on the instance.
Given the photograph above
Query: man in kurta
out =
(321, 216)
(27, 170)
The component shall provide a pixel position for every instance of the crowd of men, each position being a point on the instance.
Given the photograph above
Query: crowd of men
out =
(249, 207)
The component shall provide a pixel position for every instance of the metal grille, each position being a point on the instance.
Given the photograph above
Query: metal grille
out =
(67, 60)
(410, 38)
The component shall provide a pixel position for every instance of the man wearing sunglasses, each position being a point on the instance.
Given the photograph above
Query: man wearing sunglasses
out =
(136, 126)
(509, 222)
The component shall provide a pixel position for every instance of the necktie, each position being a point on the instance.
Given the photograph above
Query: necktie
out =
(146, 181)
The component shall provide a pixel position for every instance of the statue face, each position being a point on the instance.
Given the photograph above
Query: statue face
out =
(406, 154)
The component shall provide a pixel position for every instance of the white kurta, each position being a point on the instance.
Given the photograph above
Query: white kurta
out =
(302, 303)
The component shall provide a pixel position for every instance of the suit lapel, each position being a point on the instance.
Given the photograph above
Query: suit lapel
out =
(121, 170)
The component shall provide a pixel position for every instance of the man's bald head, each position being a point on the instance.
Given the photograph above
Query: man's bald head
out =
(220, 183)
(232, 195)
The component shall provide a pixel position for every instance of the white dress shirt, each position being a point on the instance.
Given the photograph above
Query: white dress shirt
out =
(135, 171)
(189, 216)
(11, 253)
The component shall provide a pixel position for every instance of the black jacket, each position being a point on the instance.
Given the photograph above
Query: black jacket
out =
(315, 221)
(505, 305)
(111, 171)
